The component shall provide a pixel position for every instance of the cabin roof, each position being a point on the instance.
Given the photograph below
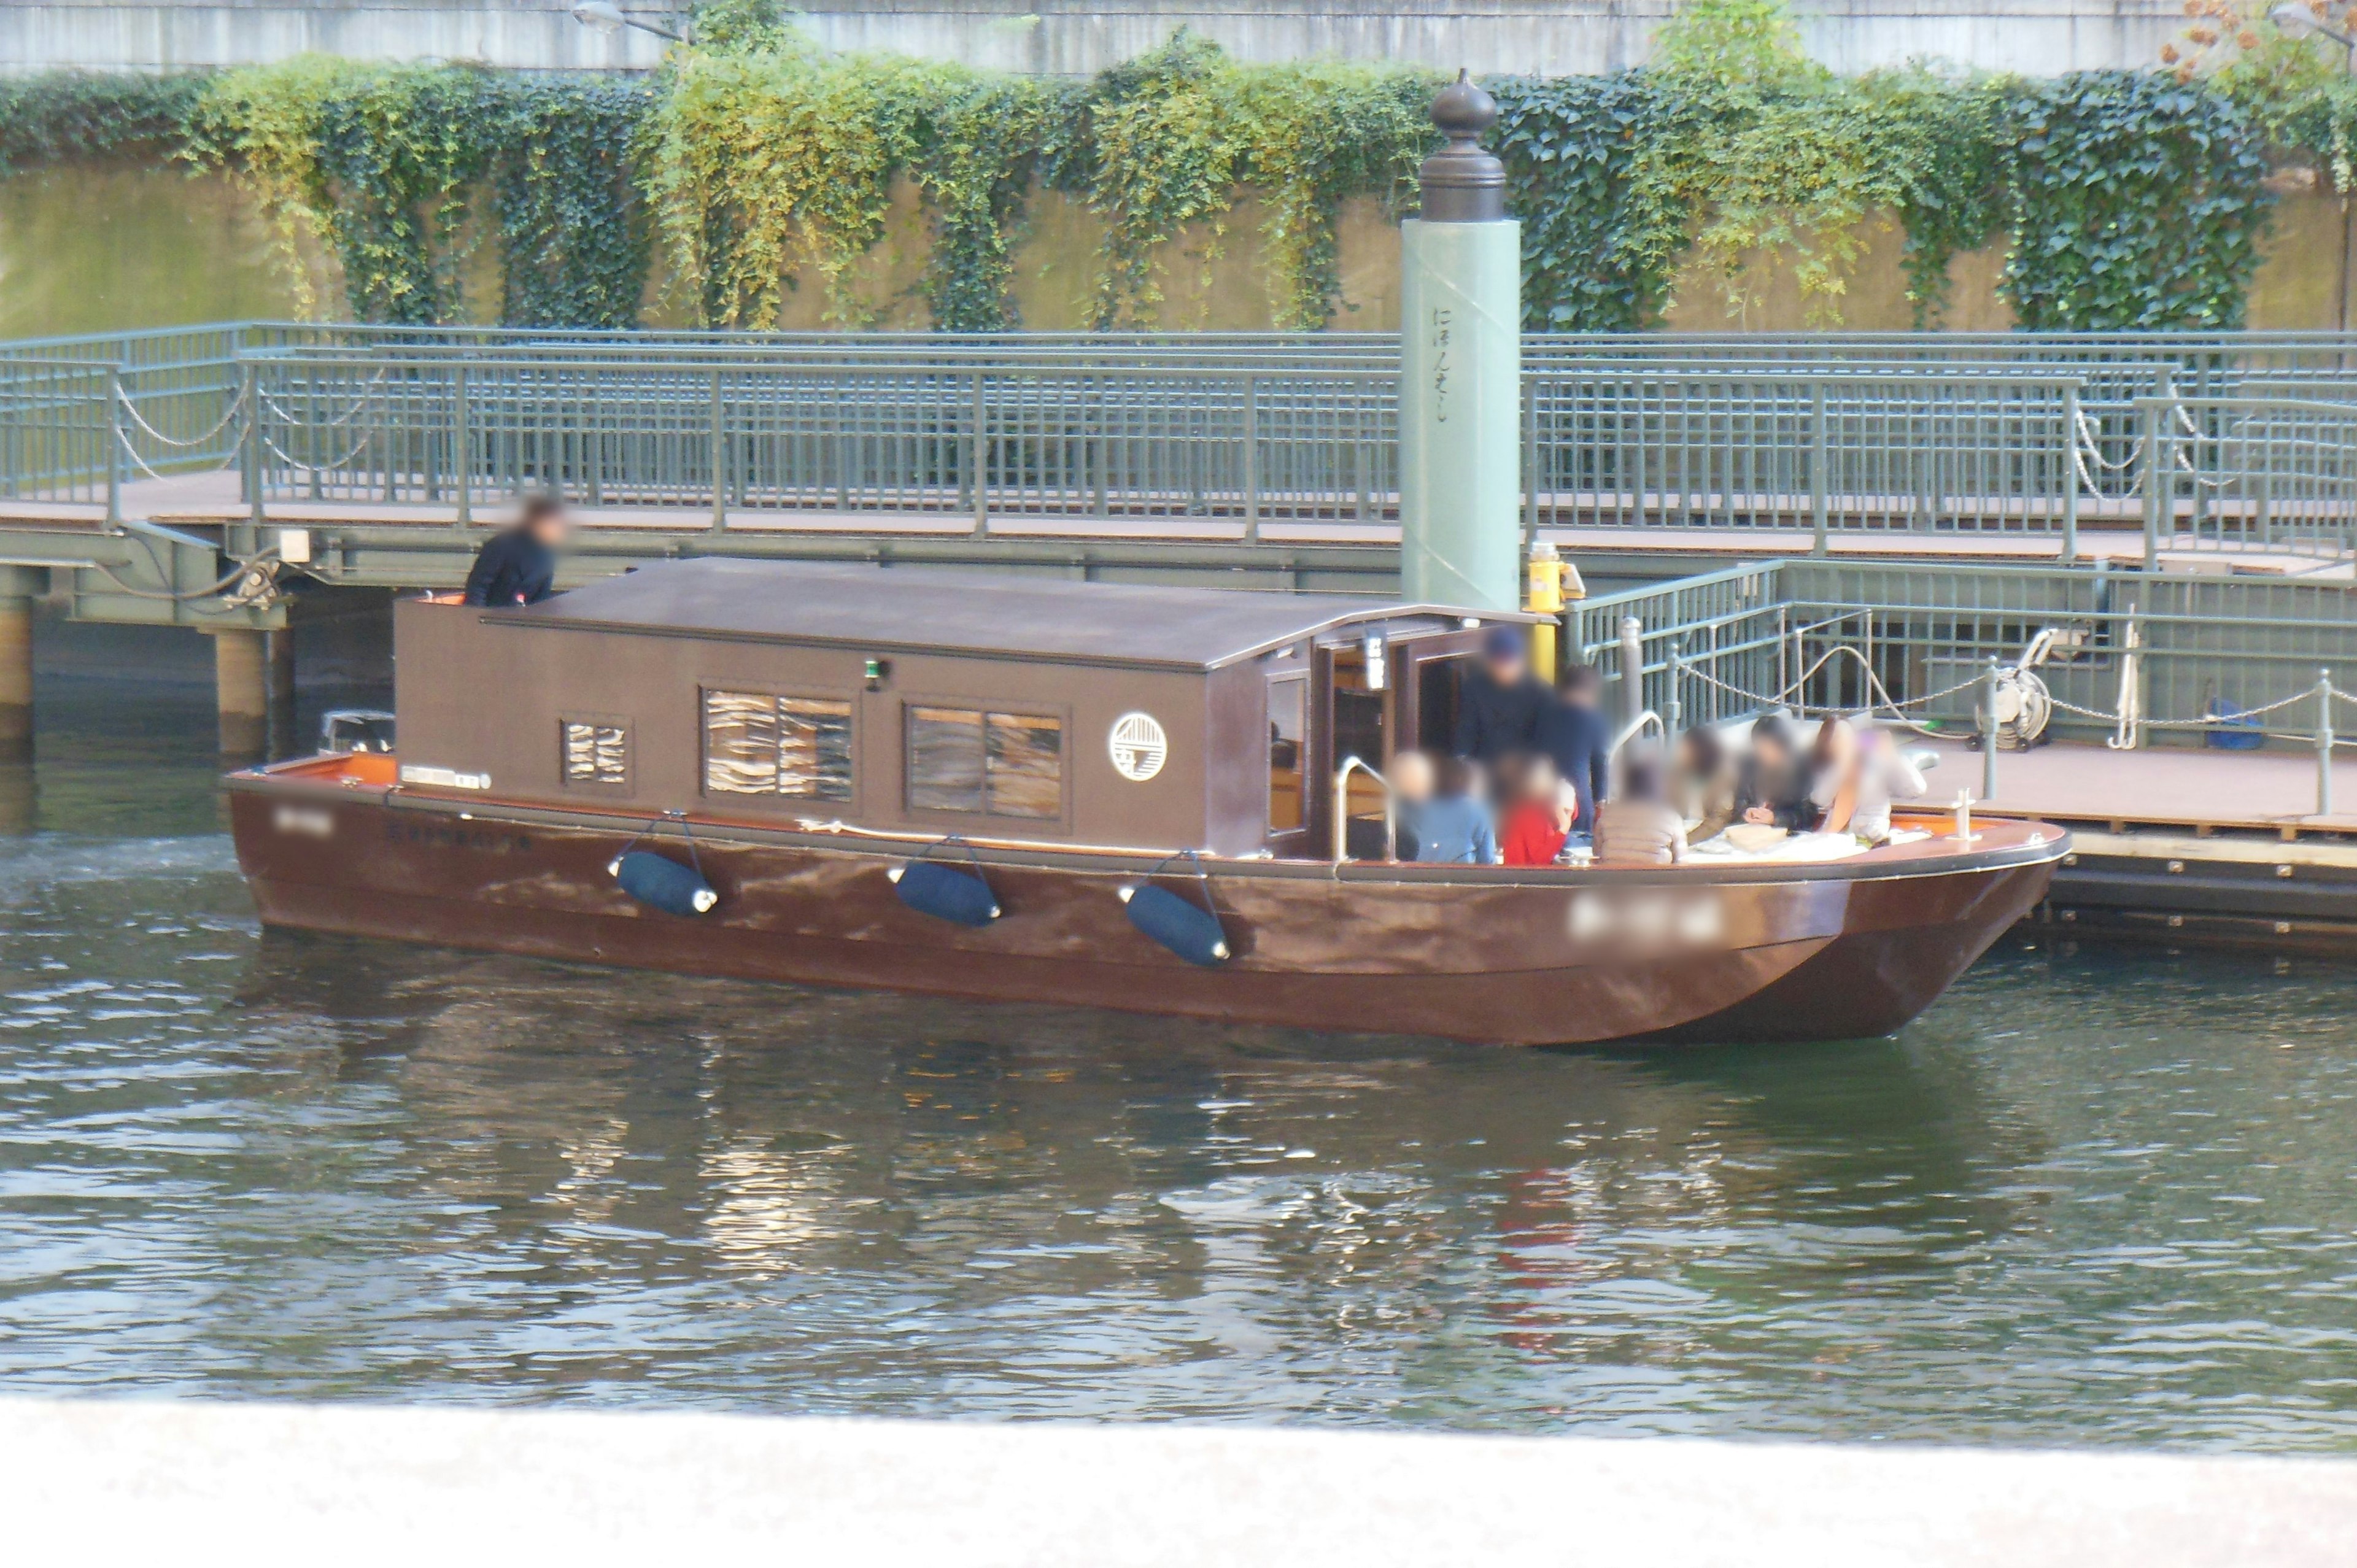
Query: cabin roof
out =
(932, 609)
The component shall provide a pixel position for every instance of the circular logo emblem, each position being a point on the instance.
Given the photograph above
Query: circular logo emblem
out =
(1138, 747)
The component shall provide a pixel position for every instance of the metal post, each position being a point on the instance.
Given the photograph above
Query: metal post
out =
(2071, 476)
(250, 389)
(1530, 464)
(465, 453)
(976, 452)
(1674, 711)
(720, 462)
(114, 440)
(1632, 668)
(1252, 459)
(1820, 503)
(2156, 482)
(2324, 743)
(1989, 732)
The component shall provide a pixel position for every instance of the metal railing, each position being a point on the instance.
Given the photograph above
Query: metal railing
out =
(2025, 434)
(727, 435)
(2277, 474)
(1809, 444)
(57, 422)
(2193, 654)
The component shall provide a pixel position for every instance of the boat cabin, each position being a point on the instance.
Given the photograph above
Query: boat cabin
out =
(931, 702)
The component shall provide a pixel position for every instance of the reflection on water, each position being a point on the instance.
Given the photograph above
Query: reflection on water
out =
(2089, 1197)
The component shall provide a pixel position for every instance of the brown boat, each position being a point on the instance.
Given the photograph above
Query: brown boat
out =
(1016, 789)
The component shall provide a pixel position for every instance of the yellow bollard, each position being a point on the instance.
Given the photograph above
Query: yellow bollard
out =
(1547, 599)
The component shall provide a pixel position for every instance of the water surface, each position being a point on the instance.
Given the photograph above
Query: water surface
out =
(2091, 1198)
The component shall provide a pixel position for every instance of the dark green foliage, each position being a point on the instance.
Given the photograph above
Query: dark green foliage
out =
(61, 114)
(1948, 183)
(979, 148)
(574, 245)
(2136, 203)
(2129, 201)
(397, 152)
(1598, 245)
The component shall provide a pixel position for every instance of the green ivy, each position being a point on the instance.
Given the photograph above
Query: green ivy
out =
(2123, 200)
(2135, 202)
(1600, 237)
(573, 241)
(59, 114)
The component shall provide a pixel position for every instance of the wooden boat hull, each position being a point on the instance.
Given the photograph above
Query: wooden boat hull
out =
(1471, 953)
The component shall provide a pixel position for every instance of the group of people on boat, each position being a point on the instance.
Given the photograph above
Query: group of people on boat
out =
(1531, 778)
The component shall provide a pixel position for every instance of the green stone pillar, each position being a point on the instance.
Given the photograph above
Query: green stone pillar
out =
(1460, 372)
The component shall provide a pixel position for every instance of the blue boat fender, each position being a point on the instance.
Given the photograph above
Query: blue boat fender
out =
(944, 892)
(1188, 929)
(661, 883)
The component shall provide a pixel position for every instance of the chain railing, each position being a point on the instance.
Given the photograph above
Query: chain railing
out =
(2175, 652)
(2126, 657)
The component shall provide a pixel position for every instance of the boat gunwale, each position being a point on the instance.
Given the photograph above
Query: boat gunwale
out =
(1142, 861)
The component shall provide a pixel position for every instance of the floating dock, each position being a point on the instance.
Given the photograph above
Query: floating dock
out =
(2184, 844)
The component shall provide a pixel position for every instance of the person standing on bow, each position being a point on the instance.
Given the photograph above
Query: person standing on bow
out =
(518, 565)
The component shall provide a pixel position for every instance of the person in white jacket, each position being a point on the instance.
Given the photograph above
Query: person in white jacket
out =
(1873, 771)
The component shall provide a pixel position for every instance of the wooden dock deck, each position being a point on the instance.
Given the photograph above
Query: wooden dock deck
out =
(2182, 843)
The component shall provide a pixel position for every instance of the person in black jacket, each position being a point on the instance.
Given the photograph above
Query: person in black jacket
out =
(1578, 737)
(518, 565)
(1773, 790)
(1499, 704)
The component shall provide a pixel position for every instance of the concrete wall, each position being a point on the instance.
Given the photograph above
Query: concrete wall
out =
(1075, 38)
(102, 248)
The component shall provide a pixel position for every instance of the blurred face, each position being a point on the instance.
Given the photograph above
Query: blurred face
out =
(551, 529)
(1507, 667)
(1771, 752)
(1412, 777)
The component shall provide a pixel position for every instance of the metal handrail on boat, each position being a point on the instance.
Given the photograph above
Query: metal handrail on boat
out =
(1342, 810)
(1634, 728)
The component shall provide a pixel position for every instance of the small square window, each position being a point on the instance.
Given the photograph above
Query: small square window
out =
(595, 752)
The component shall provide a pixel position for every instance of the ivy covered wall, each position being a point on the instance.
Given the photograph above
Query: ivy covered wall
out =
(755, 181)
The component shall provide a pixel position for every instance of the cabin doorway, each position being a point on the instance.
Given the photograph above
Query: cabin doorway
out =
(1412, 705)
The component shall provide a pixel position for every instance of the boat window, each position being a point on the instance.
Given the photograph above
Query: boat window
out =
(1004, 765)
(1026, 766)
(756, 744)
(1288, 707)
(595, 752)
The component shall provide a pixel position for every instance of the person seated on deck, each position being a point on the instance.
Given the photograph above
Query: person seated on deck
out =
(1577, 737)
(1772, 789)
(517, 566)
(1878, 773)
(1636, 826)
(1440, 806)
(1703, 784)
(1534, 828)
(1500, 704)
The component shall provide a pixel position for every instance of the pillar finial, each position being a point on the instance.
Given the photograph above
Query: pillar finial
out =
(1463, 182)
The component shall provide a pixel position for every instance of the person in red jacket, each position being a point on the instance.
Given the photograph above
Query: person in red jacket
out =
(1540, 819)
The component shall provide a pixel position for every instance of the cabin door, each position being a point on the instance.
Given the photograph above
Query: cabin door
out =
(1414, 708)
(1355, 719)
